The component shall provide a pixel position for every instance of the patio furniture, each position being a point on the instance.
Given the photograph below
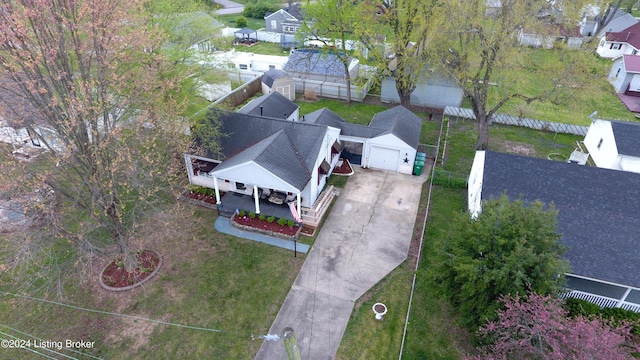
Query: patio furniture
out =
(277, 198)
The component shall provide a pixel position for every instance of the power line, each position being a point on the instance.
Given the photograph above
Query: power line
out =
(35, 337)
(266, 337)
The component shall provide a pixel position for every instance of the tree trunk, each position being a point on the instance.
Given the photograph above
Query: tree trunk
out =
(405, 96)
(483, 132)
(348, 80)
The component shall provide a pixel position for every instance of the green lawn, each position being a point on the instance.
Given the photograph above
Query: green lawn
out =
(357, 113)
(208, 280)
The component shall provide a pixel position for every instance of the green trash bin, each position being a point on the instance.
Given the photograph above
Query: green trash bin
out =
(417, 167)
(421, 156)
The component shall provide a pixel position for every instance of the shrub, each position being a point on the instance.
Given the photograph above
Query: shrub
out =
(252, 215)
(449, 180)
(577, 307)
(262, 217)
(242, 213)
(310, 95)
(291, 223)
(258, 10)
(271, 219)
(241, 21)
(282, 221)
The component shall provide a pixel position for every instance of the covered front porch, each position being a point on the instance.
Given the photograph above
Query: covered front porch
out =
(232, 200)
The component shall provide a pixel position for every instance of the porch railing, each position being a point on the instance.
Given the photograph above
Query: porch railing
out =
(602, 301)
(312, 217)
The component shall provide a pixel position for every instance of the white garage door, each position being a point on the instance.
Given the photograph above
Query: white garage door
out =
(384, 158)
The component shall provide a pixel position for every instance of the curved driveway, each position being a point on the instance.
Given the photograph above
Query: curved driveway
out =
(366, 236)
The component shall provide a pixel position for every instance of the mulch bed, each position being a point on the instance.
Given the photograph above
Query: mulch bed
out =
(210, 199)
(264, 225)
(344, 169)
(114, 275)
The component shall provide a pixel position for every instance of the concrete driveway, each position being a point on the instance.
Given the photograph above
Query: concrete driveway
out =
(366, 236)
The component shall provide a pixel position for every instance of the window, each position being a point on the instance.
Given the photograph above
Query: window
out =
(274, 24)
(600, 143)
(617, 72)
(240, 186)
(290, 29)
(272, 67)
(243, 67)
(615, 46)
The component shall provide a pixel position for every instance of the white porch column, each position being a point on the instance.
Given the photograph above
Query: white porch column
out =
(189, 165)
(256, 198)
(298, 203)
(215, 186)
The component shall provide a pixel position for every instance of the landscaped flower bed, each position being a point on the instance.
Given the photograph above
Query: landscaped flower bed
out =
(116, 277)
(268, 225)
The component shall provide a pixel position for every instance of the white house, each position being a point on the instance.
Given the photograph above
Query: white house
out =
(625, 74)
(614, 145)
(616, 44)
(598, 212)
(260, 156)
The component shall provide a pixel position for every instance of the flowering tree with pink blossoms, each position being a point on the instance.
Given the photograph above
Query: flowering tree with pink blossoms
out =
(537, 327)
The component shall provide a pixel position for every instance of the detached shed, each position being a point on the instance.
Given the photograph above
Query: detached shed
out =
(278, 81)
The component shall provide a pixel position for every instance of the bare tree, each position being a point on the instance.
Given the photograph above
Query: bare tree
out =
(90, 71)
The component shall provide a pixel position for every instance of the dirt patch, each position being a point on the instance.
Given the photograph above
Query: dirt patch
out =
(136, 331)
(519, 148)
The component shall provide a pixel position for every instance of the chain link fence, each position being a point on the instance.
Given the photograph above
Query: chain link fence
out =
(554, 127)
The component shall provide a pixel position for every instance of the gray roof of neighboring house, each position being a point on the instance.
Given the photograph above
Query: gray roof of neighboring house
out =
(273, 105)
(272, 75)
(287, 149)
(398, 121)
(620, 20)
(627, 137)
(15, 109)
(311, 62)
(598, 210)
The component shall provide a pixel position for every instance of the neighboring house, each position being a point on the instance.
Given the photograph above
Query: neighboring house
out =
(261, 155)
(390, 142)
(614, 145)
(625, 78)
(616, 44)
(248, 61)
(432, 90)
(590, 18)
(278, 80)
(314, 65)
(285, 21)
(598, 213)
(620, 20)
(273, 105)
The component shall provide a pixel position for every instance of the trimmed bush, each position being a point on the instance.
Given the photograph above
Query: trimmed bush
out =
(241, 21)
(262, 217)
(271, 219)
(252, 215)
(282, 221)
(291, 223)
(242, 213)
(577, 307)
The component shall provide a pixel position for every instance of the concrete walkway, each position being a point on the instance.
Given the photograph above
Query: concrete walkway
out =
(229, 7)
(366, 236)
(223, 225)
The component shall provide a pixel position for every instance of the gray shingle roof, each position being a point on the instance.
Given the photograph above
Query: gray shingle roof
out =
(627, 137)
(398, 121)
(598, 209)
(401, 122)
(274, 105)
(310, 62)
(272, 75)
(287, 149)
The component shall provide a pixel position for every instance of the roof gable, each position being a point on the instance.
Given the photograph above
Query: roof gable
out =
(630, 35)
(400, 122)
(311, 62)
(597, 210)
(273, 105)
(270, 76)
(627, 137)
(288, 149)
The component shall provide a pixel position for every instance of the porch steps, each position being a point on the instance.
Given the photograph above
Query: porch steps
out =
(311, 217)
